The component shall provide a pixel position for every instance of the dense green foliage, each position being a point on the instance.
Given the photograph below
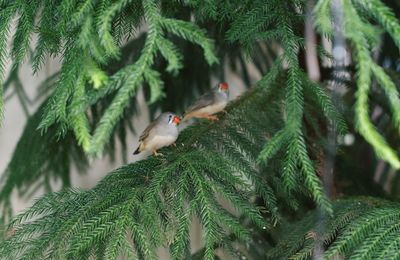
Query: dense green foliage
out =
(215, 160)
(264, 158)
(360, 228)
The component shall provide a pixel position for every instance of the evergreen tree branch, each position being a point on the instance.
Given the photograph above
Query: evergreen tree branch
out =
(296, 156)
(391, 91)
(141, 70)
(257, 159)
(325, 104)
(80, 123)
(5, 17)
(362, 55)
(71, 30)
(106, 38)
(128, 201)
(361, 228)
(24, 30)
(383, 15)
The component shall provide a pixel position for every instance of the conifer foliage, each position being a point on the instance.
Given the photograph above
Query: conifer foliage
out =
(262, 158)
(139, 202)
(360, 228)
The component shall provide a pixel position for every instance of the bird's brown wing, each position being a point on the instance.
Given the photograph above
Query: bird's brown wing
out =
(205, 100)
(146, 131)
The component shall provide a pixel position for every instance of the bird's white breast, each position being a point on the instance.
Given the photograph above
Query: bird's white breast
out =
(213, 109)
(159, 141)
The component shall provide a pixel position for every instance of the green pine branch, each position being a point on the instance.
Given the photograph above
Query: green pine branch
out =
(260, 149)
(142, 69)
(362, 35)
(291, 137)
(71, 30)
(5, 18)
(360, 228)
(211, 161)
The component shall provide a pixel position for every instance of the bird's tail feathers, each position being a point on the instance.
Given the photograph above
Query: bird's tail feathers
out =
(138, 150)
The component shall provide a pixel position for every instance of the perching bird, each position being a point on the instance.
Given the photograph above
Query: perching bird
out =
(209, 104)
(160, 133)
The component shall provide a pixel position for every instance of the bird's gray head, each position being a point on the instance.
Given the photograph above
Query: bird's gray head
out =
(170, 118)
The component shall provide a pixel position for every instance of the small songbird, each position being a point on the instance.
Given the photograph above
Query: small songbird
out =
(160, 133)
(209, 104)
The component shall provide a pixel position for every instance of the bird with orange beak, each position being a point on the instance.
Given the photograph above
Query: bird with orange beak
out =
(209, 104)
(160, 133)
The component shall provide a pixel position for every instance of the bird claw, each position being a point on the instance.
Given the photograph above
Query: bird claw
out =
(212, 118)
(311, 234)
(173, 144)
(155, 153)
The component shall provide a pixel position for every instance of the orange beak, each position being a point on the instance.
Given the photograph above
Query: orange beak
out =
(223, 86)
(176, 120)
